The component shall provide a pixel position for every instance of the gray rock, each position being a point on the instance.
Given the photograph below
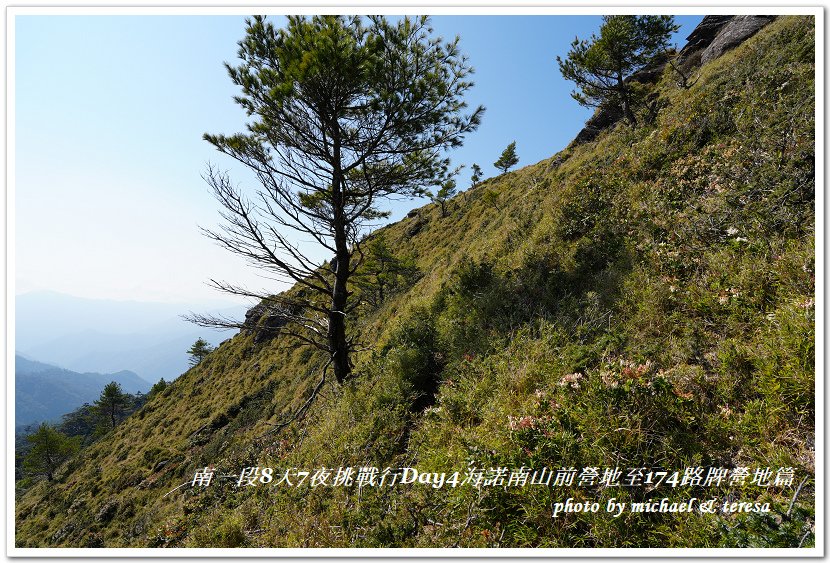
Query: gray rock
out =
(106, 513)
(738, 30)
(415, 229)
(602, 119)
(703, 35)
(264, 321)
(253, 315)
(556, 162)
(63, 532)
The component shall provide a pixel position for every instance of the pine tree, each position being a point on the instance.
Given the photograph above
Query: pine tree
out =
(602, 66)
(345, 112)
(382, 271)
(158, 387)
(476, 177)
(508, 158)
(112, 403)
(447, 191)
(49, 450)
(199, 351)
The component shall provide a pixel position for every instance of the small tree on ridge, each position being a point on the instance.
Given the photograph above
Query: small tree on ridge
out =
(50, 449)
(112, 403)
(476, 176)
(447, 191)
(199, 351)
(602, 67)
(508, 158)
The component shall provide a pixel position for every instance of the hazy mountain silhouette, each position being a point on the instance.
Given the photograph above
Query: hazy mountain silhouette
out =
(90, 335)
(44, 392)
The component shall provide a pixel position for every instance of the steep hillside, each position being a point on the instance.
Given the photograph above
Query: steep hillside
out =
(643, 300)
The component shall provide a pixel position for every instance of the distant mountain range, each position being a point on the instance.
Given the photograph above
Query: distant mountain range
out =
(45, 392)
(105, 336)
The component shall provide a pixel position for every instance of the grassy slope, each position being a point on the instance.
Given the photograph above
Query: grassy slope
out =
(670, 268)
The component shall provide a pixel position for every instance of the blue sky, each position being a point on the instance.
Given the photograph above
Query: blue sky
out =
(109, 117)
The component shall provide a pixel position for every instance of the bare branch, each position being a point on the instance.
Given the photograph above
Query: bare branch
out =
(300, 413)
(327, 141)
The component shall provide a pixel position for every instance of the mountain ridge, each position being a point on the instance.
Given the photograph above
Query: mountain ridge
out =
(43, 392)
(81, 334)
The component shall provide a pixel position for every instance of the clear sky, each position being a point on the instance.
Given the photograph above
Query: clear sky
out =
(109, 117)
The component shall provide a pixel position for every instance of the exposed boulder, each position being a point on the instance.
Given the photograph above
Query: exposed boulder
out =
(556, 162)
(264, 322)
(703, 35)
(63, 532)
(415, 229)
(107, 511)
(735, 32)
(253, 315)
(602, 119)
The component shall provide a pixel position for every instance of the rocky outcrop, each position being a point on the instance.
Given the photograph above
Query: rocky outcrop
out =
(712, 37)
(703, 35)
(603, 118)
(264, 322)
(735, 32)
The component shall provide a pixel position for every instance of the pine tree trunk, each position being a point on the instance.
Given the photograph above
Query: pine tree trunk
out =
(625, 97)
(338, 345)
(48, 463)
(629, 114)
(337, 317)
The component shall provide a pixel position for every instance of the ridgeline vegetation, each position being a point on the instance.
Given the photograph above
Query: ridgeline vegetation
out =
(644, 299)
(75, 430)
(199, 351)
(508, 158)
(603, 66)
(346, 113)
